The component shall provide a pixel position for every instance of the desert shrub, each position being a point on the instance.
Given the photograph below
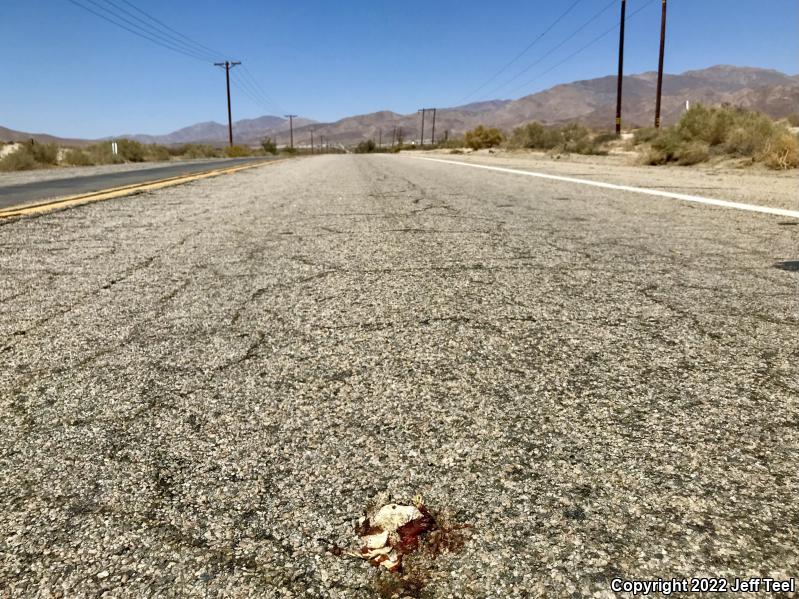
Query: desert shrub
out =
(366, 147)
(693, 152)
(196, 151)
(605, 138)
(570, 138)
(43, 153)
(30, 155)
(782, 152)
(645, 135)
(483, 137)
(131, 151)
(451, 142)
(668, 144)
(456, 151)
(127, 151)
(700, 123)
(793, 119)
(18, 160)
(653, 157)
(75, 157)
(289, 151)
(534, 136)
(749, 134)
(101, 154)
(577, 139)
(238, 152)
(706, 131)
(269, 146)
(155, 152)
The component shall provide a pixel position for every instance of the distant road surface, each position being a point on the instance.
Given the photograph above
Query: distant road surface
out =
(202, 387)
(25, 193)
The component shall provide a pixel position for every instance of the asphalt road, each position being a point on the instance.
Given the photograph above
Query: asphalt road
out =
(12, 195)
(200, 383)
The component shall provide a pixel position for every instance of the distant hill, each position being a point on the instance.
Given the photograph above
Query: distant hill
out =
(591, 102)
(11, 135)
(245, 131)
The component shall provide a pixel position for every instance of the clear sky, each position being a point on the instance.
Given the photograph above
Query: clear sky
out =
(69, 73)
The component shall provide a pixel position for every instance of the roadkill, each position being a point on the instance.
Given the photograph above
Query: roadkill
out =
(402, 540)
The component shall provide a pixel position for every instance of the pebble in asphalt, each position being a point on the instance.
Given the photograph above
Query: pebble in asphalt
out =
(201, 382)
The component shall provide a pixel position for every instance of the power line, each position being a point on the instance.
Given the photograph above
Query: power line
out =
(175, 31)
(139, 33)
(246, 74)
(581, 50)
(523, 52)
(239, 84)
(246, 88)
(554, 49)
(144, 25)
(171, 39)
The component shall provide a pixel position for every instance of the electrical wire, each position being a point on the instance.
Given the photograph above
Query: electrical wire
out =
(172, 39)
(252, 86)
(213, 52)
(266, 96)
(523, 52)
(583, 48)
(553, 49)
(190, 46)
(247, 90)
(137, 30)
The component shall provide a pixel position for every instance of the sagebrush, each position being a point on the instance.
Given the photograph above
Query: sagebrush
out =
(570, 138)
(483, 137)
(704, 132)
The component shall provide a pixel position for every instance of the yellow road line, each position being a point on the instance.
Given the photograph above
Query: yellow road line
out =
(118, 192)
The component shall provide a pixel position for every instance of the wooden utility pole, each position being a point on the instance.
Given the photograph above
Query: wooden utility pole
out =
(228, 65)
(421, 137)
(433, 137)
(621, 68)
(312, 140)
(660, 64)
(380, 138)
(290, 117)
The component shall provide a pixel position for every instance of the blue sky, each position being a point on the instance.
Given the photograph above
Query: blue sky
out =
(69, 73)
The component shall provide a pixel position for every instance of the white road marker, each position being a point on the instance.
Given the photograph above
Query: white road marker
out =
(643, 190)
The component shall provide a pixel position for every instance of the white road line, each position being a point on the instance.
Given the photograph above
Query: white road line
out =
(642, 190)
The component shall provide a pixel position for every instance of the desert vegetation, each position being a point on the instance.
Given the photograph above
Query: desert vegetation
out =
(238, 151)
(367, 146)
(32, 155)
(566, 139)
(702, 134)
(269, 146)
(483, 137)
(196, 151)
(707, 132)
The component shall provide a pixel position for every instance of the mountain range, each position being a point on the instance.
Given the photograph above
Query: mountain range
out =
(591, 102)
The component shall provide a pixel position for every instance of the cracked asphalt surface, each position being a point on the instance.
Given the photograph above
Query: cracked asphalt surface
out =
(200, 383)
